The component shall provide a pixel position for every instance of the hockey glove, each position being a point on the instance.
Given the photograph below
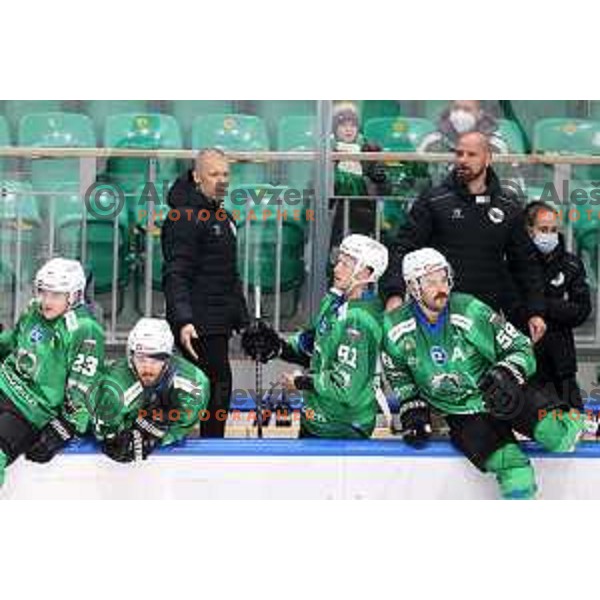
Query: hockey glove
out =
(52, 438)
(415, 420)
(261, 342)
(502, 391)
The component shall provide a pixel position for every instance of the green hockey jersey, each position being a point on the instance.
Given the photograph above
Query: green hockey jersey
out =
(443, 362)
(343, 343)
(121, 398)
(48, 367)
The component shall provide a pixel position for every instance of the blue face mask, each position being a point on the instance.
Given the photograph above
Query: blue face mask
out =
(546, 242)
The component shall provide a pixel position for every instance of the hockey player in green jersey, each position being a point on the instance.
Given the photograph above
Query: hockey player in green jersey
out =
(452, 352)
(49, 362)
(341, 347)
(150, 398)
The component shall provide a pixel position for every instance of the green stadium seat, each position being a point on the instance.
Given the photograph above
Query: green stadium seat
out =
(298, 134)
(185, 111)
(526, 113)
(4, 132)
(142, 131)
(577, 137)
(233, 132)
(16, 109)
(398, 134)
(374, 109)
(55, 130)
(509, 131)
(259, 238)
(20, 224)
(4, 141)
(156, 218)
(567, 136)
(273, 111)
(70, 212)
(100, 110)
(570, 136)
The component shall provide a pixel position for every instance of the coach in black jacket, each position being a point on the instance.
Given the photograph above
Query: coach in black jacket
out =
(568, 304)
(479, 227)
(202, 287)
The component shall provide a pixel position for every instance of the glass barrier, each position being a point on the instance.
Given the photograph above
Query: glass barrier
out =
(69, 187)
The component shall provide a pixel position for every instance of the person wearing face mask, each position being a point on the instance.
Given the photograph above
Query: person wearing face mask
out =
(203, 291)
(480, 228)
(568, 304)
(463, 116)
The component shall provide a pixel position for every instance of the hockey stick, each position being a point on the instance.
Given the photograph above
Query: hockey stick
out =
(257, 318)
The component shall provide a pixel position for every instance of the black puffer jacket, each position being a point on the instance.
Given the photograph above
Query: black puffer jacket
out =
(568, 305)
(200, 276)
(484, 240)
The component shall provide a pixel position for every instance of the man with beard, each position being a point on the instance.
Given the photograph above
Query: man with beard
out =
(480, 227)
(452, 352)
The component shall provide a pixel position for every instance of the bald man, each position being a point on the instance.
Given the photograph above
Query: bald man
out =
(479, 227)
(203, 291)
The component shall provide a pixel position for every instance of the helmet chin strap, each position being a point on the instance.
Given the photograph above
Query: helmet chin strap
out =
(354, 282)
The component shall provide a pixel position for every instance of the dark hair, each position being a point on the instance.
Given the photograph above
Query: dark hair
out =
(532, 210)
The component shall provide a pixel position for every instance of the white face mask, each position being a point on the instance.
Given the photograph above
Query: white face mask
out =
(462, 120)
(546, 242)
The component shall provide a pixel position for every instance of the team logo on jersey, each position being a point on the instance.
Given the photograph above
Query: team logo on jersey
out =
(457, 214)
(36, 335)
(558, 280)
(496, 215)
(438, 355)
(446, 382)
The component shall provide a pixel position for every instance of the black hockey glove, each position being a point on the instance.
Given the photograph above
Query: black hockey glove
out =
(415, 420)
(130, 445)
(261, 342)
(52, 438)
(502, 391)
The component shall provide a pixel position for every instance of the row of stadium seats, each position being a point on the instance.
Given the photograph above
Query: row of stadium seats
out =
(237, 132)
(183, 111)
(526, 112)
(249, 133)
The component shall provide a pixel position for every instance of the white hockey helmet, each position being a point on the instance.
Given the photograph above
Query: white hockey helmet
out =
(421, 262)
(150, 337)
(368, 253)
(62, 275)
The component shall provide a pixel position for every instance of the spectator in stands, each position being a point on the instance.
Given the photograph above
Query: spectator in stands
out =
(479, 226)
(568, 304)
(463, 116)
(203, 291)
(353, 178)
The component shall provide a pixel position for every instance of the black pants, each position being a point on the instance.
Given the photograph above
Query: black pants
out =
(213, 359)
(16, 433)
(479, 435)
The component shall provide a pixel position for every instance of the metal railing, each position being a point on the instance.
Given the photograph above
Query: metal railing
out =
(316, 248)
